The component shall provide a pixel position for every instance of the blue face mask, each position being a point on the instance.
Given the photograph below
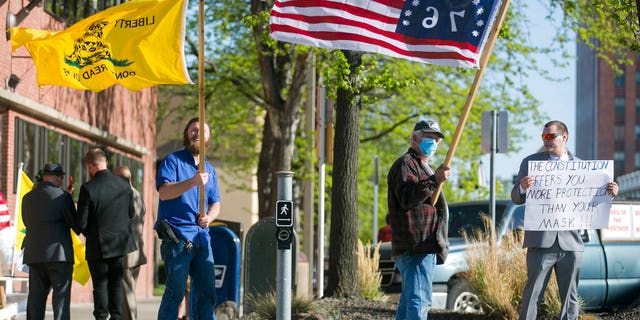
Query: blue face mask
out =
(428, 146)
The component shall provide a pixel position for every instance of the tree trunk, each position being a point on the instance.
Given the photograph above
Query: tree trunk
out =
(343, 260)
(263, 175)
(283, 112)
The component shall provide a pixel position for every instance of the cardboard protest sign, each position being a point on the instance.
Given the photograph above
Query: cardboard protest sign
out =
(568, 195)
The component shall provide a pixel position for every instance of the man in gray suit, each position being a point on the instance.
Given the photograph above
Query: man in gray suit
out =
(49, 213)
(560, 250)
(135, 258)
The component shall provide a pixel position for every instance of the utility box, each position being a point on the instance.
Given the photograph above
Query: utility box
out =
(260, 265)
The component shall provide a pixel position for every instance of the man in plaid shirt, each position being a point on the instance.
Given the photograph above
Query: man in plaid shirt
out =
(418, 229)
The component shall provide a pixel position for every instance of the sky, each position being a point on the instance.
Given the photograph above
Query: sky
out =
(557, 100)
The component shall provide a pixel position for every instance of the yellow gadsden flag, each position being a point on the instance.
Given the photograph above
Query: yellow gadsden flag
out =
(137, 44)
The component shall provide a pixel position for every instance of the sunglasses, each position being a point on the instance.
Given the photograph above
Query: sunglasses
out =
(550, 136)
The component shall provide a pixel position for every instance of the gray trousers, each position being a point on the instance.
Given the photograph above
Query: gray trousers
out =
(540, 261)
(129, 306)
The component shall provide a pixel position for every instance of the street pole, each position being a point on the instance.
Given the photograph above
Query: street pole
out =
(492, 174)
(375, 199)
(322, 127)
(284, 234)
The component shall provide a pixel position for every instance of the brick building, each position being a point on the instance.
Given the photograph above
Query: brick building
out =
(608, 111)
(57, 124)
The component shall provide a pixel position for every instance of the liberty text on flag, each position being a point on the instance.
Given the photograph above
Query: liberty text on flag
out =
(137, 44)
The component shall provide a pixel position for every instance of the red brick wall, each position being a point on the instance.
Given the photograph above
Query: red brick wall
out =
(606, 112)
(607, 120)
(127, 115)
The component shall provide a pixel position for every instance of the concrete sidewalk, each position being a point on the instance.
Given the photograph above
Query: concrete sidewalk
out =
(147, 310)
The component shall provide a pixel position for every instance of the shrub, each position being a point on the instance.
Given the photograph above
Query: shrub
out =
(265, 305)
(498, 274)
(370, 277)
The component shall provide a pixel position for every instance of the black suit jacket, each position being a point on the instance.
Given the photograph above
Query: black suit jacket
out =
(105, 209)
(48, 213)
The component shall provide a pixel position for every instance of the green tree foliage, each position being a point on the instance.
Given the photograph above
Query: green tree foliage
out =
(610, 27)
(255, 93)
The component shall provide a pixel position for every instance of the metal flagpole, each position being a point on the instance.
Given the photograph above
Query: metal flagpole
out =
(201, 166)
(321, 126)
(486, 53)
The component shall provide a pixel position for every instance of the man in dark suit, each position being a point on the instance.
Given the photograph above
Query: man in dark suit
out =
(49, 213)
(135, 258)
(105, 209)
(560, 250)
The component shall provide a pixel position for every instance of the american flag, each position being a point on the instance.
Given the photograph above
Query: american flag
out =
(5, 215)
(450, 33)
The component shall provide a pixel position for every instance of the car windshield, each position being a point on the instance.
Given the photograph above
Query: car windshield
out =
(468, 217)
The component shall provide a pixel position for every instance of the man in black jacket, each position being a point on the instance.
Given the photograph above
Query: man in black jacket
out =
(49, 213)
(105, 209)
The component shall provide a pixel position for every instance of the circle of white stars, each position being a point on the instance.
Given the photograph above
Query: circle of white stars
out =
(479, 12)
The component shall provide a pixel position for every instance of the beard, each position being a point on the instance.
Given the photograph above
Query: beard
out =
(194, 147)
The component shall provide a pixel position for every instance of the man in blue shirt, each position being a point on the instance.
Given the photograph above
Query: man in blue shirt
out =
(185, 247)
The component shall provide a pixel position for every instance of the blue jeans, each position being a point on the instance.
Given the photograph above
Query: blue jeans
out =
(179, 262)
(417, 274)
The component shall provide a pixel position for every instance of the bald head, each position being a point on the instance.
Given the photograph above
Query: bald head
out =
(124, 172)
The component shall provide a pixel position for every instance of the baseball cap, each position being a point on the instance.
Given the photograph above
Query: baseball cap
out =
(429, 126)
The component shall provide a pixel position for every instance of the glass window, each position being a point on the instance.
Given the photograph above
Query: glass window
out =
(54, 147)
(618, 161)
(75, 165)
(637, 107)
(73, 11)
(137, 175)
(637, 131)
(136, 168)
(618, 104)
(618, 132)
(638, 77)
(28, 138)
(637, 160)
(619, 80)
(467, 218)
(35, 145)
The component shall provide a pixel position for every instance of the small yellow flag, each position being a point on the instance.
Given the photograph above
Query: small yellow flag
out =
(80, 266)
(24, 186)
(137, 44)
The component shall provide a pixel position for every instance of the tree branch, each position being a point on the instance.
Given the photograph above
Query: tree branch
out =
(390, 129)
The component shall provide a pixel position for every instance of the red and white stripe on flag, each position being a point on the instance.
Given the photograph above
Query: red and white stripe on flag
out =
(5, 215)
(450, 33)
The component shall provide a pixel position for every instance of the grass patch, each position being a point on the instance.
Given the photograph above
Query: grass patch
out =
(264, 305)
(370, 276)
(498, 274)
(158, 290)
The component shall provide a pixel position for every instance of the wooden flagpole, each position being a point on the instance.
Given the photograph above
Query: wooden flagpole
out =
(484, 59)
(201, 166)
